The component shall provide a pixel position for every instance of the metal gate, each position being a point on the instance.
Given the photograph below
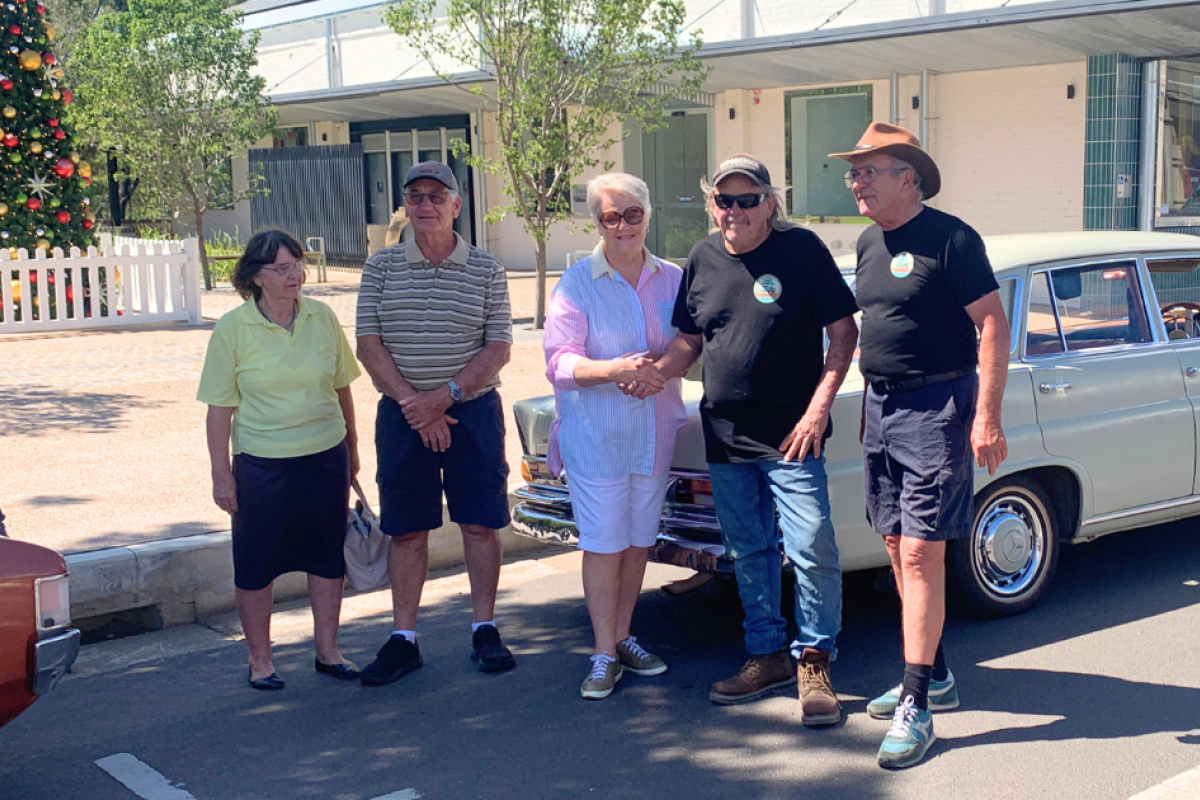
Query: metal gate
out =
(314, 191)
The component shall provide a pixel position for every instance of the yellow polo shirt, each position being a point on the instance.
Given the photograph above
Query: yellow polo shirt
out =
(284, 386)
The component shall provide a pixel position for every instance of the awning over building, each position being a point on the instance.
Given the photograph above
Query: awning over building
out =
(418, 97)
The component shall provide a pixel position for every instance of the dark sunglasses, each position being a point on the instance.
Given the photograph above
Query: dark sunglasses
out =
(743, 201)
(612, 220)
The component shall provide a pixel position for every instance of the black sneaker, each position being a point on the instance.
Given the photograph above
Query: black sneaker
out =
(489, 653)
(395, 659)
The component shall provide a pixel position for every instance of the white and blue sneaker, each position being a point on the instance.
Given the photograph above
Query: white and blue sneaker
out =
(909, 737)
(943, 696)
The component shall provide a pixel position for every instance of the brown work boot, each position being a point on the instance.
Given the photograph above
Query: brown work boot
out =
(758, 677)
(818, 701)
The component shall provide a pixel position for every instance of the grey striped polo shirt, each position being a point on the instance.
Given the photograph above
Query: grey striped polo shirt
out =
(434, 320)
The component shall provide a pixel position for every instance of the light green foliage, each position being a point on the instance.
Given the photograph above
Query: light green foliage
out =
(558, 74)
(168, 86)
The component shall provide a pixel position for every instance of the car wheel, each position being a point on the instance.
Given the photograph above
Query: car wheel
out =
(1006, 565)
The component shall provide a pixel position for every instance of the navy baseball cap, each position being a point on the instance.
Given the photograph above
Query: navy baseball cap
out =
(434, 172)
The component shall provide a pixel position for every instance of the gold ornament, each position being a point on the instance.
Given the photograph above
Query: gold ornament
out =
(3, 209)
(50, 32)
(56, 95)
(43, 244)
(35, 147)
(84, 169)
(9, 112)
(29, 60)
(74, 154)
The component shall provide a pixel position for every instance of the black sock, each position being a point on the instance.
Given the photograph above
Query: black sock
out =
(940, 671)
(916, 684)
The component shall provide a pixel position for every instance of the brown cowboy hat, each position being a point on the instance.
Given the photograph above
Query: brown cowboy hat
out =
(895, 141)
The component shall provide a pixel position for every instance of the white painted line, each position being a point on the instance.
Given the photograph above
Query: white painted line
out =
(403, 794)
(141, 779)
(1184, 786)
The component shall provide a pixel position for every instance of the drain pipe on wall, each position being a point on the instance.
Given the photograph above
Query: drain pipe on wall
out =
(1151, 99)
(923, 112)
(894, 99)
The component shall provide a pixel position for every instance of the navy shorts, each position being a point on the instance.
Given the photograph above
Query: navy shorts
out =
(917, 460)
(472, 472)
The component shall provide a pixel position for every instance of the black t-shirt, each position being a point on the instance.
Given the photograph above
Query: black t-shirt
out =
(913, 284)
(762, 315)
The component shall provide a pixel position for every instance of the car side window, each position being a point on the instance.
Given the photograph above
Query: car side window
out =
(1176, 283)
(1084, 308)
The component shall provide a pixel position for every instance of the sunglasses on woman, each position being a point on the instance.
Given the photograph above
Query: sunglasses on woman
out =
(632, 215)
(743, 201)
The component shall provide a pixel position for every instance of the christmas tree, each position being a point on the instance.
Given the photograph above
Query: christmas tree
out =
(41, 176)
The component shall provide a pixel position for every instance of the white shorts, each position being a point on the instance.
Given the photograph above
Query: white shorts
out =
(612, 514)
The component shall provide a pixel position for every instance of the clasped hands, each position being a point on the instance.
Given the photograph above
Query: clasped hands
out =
(426, 414)
(636, 374)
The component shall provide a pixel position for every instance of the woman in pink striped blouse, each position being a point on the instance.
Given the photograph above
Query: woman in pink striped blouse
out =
(609, 319)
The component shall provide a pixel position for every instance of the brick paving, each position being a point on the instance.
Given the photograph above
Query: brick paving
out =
(102, 440)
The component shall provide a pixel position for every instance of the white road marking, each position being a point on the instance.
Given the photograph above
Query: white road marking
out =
(403, 794)
(141, 779)
(1184, 786)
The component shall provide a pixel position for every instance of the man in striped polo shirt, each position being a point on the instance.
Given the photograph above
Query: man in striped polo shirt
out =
(434, 329)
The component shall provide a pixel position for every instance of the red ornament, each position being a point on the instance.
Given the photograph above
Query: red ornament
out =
(11, 140)
(52, 122)
(14, 29)
(68, 96)
(58, 133)
(87, 181)
(63, 168)
(48, 58)
(33, 203)
(63, 216)
(41, 9)
(6, 84)
(87, 224)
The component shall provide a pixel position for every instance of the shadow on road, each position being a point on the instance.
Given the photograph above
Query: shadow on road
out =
(34, 410)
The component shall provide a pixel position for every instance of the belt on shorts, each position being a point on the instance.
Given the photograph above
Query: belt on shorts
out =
(912, 384)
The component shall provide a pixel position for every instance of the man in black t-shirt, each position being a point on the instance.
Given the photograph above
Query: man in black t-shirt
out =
(756, 297)
(924, 285)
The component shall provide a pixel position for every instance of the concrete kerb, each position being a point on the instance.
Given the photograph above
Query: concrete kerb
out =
(177, 581)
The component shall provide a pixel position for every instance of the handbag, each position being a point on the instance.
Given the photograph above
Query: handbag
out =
(366, 546)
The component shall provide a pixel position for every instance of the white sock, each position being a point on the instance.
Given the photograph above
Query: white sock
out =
(410, 635)
(477, 625)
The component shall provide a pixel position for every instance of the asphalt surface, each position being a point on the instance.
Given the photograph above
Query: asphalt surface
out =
(1096, 694)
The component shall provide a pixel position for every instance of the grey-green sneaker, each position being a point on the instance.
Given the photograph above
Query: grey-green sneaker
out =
(943, 696)
(909, 737)
(605, 673)
(634, 658)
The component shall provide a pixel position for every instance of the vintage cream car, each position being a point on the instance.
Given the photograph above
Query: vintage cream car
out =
(1100, 413)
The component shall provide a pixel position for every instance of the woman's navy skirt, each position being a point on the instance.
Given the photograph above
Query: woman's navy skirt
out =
(291, 516)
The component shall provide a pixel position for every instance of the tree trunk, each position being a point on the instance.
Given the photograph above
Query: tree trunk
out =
(115, 207)
(198, 223)
(539, 314)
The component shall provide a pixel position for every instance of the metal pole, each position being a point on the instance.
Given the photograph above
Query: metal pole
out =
(1147, 190)
(923, 112)
(329, 49)
(894, 99)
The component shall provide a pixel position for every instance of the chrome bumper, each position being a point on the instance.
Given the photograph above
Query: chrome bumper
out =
(54, 656)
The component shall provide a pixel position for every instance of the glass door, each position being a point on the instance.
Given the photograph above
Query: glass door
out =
(674, 159)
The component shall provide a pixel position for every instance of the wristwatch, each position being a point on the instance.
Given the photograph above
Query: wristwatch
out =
(456, 394)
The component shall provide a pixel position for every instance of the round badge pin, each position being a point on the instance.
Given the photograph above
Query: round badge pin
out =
(767, 288)
(902, 265)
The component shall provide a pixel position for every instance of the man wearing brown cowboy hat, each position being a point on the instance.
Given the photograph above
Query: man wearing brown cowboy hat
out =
(924, 285)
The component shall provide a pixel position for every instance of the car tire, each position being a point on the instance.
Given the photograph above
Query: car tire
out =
(1007, 564)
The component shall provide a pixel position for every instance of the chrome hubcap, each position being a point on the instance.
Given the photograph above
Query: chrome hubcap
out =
(1010, 545)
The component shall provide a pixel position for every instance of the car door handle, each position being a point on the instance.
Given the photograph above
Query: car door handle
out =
(1192, 372)
(1047, 388)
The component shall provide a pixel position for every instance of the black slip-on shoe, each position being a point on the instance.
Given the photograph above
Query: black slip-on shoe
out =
(395, 659)
(489, 653)
(271, 683)
(343, 672)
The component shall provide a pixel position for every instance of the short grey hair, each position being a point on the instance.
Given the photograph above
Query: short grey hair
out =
(779, 219)
(617, 183)
(899, 163)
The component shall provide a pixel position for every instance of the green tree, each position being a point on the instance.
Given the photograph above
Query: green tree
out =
(561, 73)
(42, 177)
(168, 87)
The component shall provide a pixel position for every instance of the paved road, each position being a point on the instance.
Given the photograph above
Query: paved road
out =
(1096, 695)
(102, 440)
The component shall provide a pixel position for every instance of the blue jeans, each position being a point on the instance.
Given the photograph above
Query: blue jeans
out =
(746, 496)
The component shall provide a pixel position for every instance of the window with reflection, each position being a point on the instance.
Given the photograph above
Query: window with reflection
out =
(1179, 181)
(1086, 308)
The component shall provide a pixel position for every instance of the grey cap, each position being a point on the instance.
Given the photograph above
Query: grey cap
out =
(742, 164)
(434, 172)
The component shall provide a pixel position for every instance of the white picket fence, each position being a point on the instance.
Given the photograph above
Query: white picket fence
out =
(125, 281)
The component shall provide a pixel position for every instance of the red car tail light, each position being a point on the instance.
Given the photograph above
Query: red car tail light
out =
(53, 602)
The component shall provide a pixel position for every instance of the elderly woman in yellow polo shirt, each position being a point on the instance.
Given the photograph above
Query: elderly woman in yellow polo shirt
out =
(277, 383)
